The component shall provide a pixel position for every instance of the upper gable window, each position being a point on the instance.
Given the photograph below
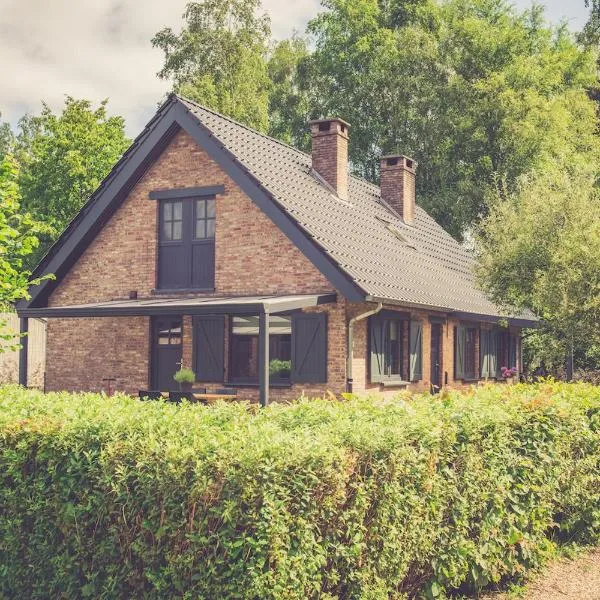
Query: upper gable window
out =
(186, 257)
(205, 219)
(172, 220)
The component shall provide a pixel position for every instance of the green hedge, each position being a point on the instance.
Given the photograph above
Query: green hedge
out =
(116, 498)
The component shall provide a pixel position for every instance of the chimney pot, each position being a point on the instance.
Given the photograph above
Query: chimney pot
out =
(398, 174)
(330, 153)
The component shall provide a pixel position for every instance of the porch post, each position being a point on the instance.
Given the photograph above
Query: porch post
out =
(24, 339)
(263, 358)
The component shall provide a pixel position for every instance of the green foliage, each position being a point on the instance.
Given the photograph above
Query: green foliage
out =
(64, 158)
(109, 497)
(288, 102)
(18, 239)
(473, 90)
(6, 139)
(539, 248)
(219, 58)
(280, 368)
(184, 375)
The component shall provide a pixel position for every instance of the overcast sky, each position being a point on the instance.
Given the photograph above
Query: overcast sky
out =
(101, 48)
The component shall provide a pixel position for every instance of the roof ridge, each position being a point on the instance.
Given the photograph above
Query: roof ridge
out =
(266, 136)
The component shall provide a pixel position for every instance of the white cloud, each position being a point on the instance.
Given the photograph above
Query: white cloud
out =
(97, 49)
(101, 48)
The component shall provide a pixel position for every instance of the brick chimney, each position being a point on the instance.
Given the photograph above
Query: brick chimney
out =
(398, 185)
(330, 153)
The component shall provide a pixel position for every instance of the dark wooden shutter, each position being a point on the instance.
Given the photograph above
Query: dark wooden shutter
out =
(377, 349)
(309, 348)
(495, 354)
(459, 352)
(209, 348)
(416, 353)
(513, 341)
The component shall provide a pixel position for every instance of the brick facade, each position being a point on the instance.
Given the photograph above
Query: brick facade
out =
(252, 257)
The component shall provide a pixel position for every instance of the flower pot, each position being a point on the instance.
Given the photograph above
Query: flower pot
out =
(185, 386)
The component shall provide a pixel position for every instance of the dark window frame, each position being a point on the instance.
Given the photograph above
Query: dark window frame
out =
(253, 381)
(474, 374)
(188, 240)
(473, 355)
(402, 323)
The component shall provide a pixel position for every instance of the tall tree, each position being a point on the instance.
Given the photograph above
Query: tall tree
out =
(473, 90)
(288, 101)
(18, 239)
(219, 58)
(63, 158)
(6, 138)
(539, 248)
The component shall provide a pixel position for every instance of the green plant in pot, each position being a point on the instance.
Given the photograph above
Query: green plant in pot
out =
(185, 378)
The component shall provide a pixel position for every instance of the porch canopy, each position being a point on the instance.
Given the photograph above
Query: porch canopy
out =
(229, 305)
(263, 306)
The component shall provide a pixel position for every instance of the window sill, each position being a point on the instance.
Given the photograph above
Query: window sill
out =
(158, 291)
(394, 383)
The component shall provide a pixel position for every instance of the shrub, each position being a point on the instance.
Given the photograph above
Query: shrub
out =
(109, 497)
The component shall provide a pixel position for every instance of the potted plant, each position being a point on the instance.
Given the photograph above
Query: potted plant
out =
(185, 378)
(507, 373)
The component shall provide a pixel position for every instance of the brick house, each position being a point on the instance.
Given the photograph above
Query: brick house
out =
(264, 269)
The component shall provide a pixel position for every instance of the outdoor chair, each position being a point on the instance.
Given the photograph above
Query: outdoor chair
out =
(150, 395)
(177, 397)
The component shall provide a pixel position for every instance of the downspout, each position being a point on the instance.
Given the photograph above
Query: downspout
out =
(350, 345)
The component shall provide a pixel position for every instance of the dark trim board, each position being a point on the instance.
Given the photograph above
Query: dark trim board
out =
(153, 307)
(515, 322)
(195, 192)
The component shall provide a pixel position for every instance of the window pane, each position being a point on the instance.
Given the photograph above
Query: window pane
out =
(163, 337)
(177, 211)
(167, 230)
(245, 326)
(175, 337)
(210, 228)
(167, 211)
(210, 209)
(200, 205)
(244, 348)
(200, 229)
(176, 230)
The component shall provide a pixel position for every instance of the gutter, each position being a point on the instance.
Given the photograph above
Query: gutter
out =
(350, 342)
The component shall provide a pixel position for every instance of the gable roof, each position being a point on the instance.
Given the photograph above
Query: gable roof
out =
(361, 245)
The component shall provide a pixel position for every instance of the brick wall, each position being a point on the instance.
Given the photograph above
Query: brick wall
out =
(252, 257)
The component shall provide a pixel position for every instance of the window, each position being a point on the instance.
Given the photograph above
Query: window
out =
(395, 348)
(169, 334)
(466, 359)
(172, 220)
(186, 257)
(243, 365)
(205, 219)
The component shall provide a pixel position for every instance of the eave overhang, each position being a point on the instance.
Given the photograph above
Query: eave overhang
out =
(246, 305)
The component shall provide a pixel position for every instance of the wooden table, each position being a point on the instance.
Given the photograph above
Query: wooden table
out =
(213, 397)
(207, 397)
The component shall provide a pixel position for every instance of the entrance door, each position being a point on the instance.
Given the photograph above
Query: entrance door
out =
(436, 357)
(166, 351)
